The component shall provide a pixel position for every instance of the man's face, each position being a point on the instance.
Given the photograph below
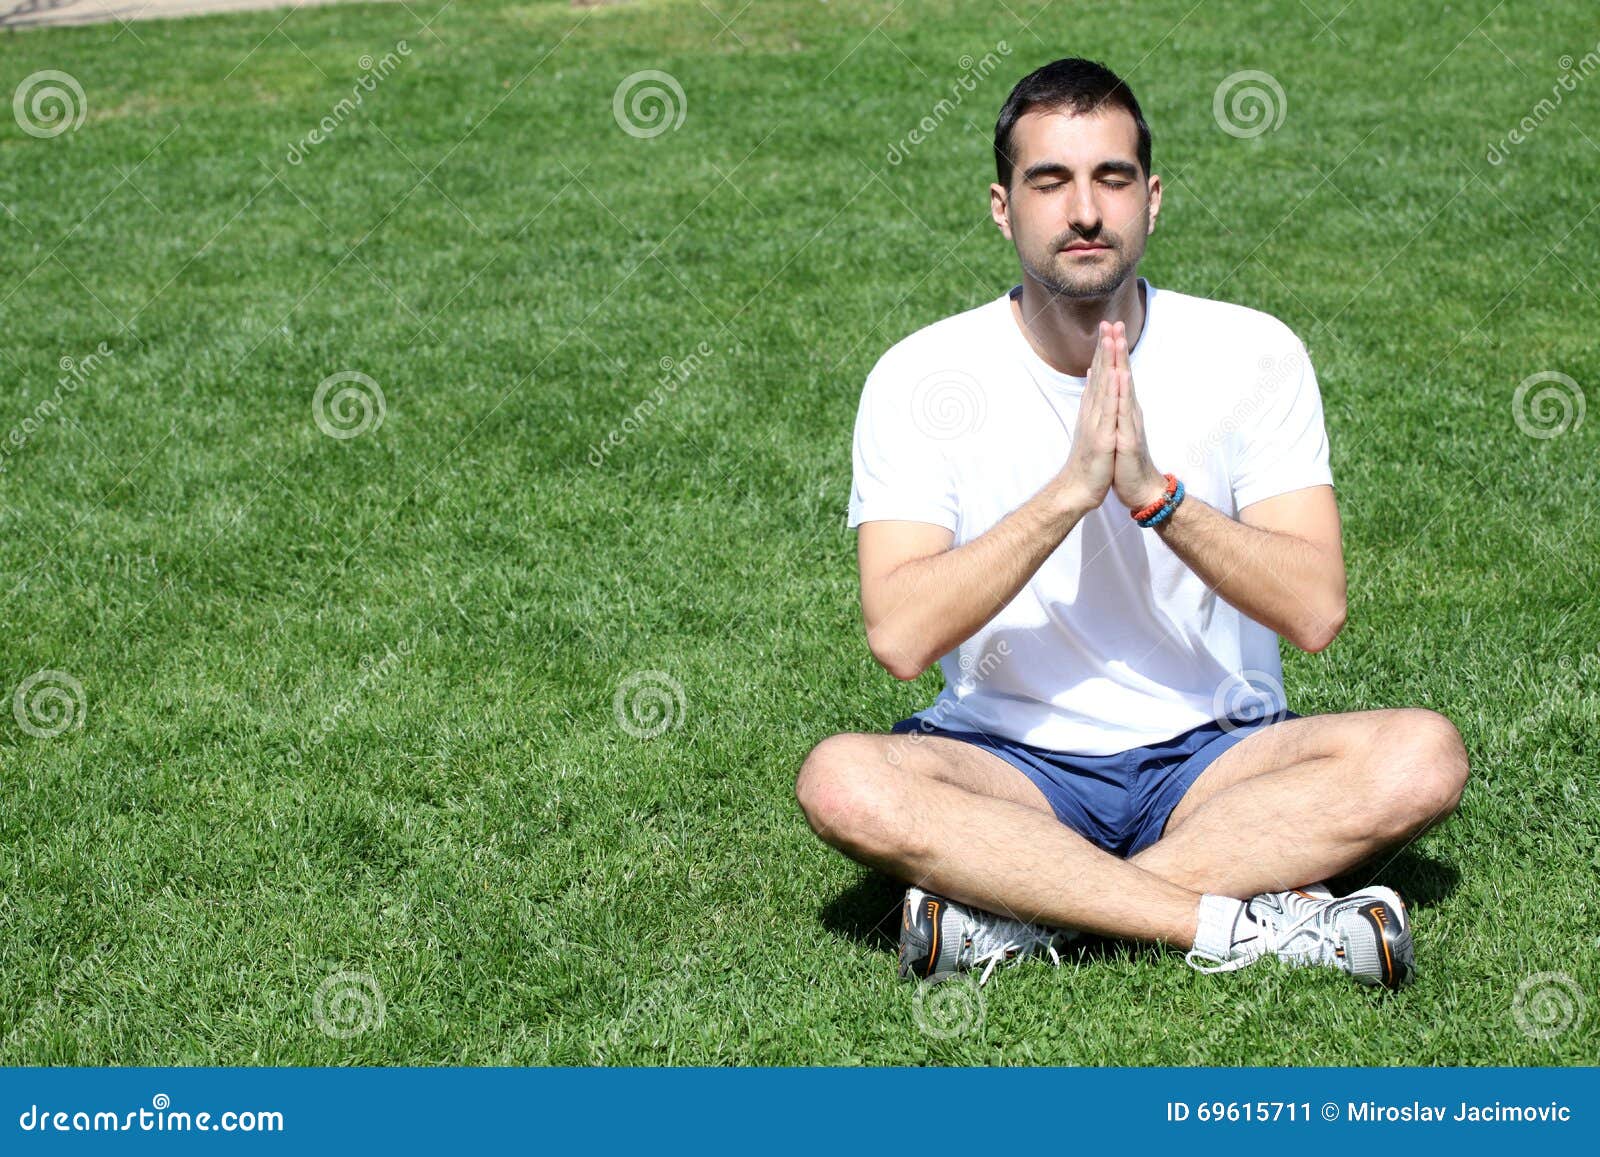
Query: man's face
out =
(1079, 207)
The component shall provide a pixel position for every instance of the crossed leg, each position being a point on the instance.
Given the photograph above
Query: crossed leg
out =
(1294, 802)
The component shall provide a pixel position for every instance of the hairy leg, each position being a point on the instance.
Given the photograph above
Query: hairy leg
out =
(961, 821)
(1309, 798)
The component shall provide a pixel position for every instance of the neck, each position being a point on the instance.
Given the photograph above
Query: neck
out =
(1064, 330)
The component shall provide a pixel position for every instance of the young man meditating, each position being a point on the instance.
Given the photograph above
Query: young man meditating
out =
(1098, 504)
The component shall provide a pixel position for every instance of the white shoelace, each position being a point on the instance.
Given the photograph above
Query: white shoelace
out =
(1321, 944)
(995, 943)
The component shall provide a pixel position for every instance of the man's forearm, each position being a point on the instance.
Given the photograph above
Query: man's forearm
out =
(1278, 580)
(939, 602)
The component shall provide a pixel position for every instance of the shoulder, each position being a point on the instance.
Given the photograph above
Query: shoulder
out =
(952, 345)
(1224, 321)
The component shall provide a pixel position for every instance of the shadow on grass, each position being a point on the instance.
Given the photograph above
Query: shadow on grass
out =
(869, 910)
(1422, 881)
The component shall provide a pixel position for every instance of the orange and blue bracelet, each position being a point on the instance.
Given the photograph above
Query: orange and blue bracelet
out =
(1161, 510)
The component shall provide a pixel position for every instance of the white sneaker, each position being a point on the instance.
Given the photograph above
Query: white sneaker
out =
(1366, 934)
(939, 938)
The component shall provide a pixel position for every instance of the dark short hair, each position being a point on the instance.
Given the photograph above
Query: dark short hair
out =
(1072, 85)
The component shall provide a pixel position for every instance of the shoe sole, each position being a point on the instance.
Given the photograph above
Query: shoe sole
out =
(914, 898)
(1386, 912)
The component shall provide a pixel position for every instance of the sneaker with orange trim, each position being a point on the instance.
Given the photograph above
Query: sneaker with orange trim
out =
(1366, 934)
(939, 938)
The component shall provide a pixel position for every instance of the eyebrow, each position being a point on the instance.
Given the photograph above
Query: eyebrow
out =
(1057, 169)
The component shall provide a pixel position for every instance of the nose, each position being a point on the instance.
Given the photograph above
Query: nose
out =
(1084, 213)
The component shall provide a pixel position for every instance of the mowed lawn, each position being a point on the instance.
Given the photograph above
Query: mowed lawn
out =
(470, 738)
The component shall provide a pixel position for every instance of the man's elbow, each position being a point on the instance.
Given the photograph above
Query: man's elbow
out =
(896, 657)
(1320, 630)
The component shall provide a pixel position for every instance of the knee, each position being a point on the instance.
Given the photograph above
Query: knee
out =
(847, 792)
(1422, 767)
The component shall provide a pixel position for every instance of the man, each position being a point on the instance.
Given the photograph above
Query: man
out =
(1099, 504)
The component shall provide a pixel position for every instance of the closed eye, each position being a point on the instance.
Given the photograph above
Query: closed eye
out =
(1054, 185)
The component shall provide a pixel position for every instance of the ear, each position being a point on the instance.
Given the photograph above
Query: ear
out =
(1000, 209)
(1155, 202)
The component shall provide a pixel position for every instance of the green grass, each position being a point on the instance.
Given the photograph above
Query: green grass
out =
(459, 593)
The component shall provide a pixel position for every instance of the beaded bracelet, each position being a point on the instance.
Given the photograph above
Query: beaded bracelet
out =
(1145, 512)
(1166, 510)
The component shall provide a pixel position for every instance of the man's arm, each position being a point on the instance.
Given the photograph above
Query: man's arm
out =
(1281, 563)
(920, 598)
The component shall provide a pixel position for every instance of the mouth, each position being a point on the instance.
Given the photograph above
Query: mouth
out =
(1087, 249)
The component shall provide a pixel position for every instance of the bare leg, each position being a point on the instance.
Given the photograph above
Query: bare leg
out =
(1309, 798)
(958, 820)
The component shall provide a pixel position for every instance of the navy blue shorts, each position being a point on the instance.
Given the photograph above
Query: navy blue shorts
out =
(1119, 802)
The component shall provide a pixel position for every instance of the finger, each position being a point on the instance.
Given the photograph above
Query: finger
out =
(1092, 389)
(1113, 407)
(1106, 356)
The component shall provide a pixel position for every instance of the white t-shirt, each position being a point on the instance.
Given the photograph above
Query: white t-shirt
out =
(1114, 643)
